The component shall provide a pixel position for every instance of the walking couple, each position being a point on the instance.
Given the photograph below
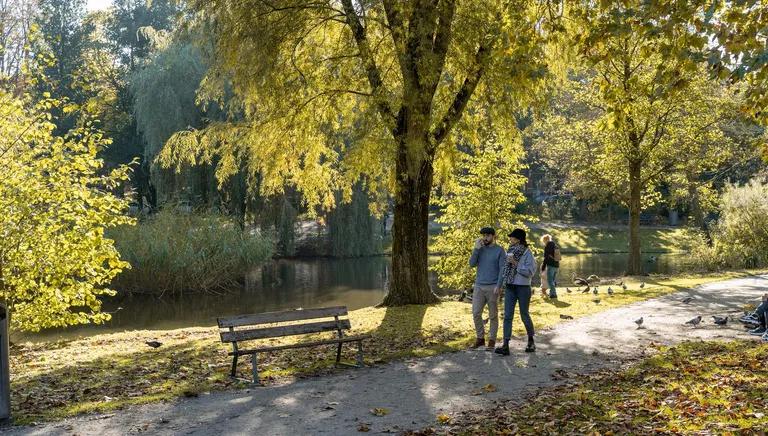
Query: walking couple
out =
(498, 270)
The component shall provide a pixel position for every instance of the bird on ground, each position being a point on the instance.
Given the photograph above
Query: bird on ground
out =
(579, 280)
(596, 301)
(568, 290)
(695, 321)
(586, 289)
(154, 344)
(720, 320)
(463, 295)
(563, 316)
(687, 300)
(594, 291)
(639, 322)
(642, 285)
(610, 290)
(623, 286)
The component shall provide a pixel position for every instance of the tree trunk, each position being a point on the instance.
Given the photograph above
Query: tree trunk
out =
(409, 283)
(634, 264)
(698, 213)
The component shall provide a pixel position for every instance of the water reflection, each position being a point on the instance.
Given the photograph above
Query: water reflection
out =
(288, 284)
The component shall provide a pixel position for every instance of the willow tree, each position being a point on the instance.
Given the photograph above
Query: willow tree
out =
(395, 76)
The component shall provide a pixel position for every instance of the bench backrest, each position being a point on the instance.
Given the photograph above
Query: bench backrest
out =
(248, 327)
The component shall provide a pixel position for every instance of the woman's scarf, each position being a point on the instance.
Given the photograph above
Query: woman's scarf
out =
(517, 252)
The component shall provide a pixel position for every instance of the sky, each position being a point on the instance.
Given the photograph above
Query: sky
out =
(95, 5)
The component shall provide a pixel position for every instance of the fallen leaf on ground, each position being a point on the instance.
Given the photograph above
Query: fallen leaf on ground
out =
(379, 411)
(443, 418)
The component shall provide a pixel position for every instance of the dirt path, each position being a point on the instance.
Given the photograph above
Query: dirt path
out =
(415, 391)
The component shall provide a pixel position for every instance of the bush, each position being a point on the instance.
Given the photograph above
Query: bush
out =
(177, 253)
(741, 232)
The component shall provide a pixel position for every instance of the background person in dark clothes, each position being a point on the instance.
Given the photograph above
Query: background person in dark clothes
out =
(551, 263)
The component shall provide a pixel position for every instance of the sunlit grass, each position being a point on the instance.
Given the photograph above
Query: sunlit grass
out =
(108, 371)
(588, 239)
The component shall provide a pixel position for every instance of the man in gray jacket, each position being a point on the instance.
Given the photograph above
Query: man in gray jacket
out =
(489, 258)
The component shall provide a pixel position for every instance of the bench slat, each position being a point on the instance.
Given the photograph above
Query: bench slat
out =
(302, 345)
(288, 330)
(274, 317)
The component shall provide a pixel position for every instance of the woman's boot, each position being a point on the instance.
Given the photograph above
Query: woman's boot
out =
(531, 346)
(504, 349)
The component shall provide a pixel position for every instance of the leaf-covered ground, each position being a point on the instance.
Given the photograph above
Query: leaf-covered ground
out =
(692, 388)
(104, 372)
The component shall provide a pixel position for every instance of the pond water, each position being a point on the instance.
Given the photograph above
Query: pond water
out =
(289, 284)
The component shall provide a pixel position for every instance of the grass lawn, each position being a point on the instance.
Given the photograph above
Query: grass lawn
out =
(693, 388)
(581, 239)
(104, 372)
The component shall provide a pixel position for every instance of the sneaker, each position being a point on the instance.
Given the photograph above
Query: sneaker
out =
(491, 345)
(760, 331)
(748, 318)
(750, 321)
(479, 342)
(504, 351)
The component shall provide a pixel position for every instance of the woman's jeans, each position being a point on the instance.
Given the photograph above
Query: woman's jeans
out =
(512, 295)
(551, 280)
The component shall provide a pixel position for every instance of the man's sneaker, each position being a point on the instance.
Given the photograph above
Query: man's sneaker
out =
(491, 345)
(750, 317)
(760, 331)
(479, 342)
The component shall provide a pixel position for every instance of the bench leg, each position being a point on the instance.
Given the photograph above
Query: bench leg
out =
(338, 353)
(255, 368)
(360, 353)
(234, 365)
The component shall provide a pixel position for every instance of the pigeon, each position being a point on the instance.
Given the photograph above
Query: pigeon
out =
(642, 285)
(594, 291)
(720, 320)
(695, 321)
(463, 295)
(563, 316)
(568, 290)
(687, 300)
(585, 290)
(154, 344)
(610, 290)
(639, 322)
(623, 286)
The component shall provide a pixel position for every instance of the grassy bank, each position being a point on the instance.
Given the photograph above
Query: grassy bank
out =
(693, 388)
(53, 380)
(611, 239)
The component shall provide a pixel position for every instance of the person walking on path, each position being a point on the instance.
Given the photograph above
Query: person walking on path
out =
(490, 259)
(517, 278)
(551, 264)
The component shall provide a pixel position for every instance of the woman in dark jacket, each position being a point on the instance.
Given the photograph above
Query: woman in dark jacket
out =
(551, 263)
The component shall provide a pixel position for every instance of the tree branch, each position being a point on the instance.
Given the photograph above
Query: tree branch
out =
(460, 101)
(372, 71)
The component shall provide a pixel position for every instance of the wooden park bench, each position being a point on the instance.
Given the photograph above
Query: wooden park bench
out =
(241, 328)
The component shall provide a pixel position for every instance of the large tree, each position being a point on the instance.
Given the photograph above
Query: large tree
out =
(396, 76)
